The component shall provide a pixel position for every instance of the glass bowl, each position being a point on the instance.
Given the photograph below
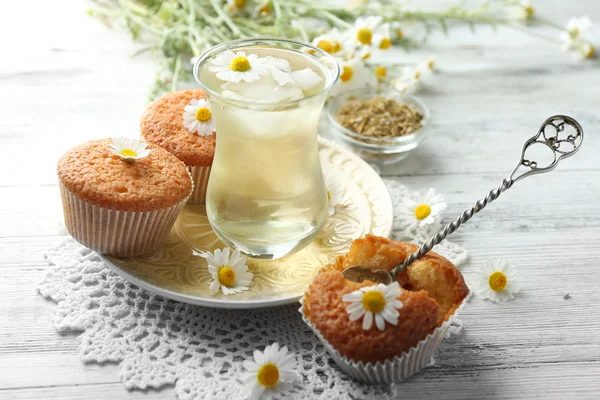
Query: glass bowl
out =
(377, 150)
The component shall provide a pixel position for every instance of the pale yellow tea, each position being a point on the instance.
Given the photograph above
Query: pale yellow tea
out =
(266, 194)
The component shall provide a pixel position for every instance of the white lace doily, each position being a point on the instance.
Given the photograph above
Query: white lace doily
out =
(197, 350)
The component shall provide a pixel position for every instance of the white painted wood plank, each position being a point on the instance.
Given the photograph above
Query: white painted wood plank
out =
(77, 81)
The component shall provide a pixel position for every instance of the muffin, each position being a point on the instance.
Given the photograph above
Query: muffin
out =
(119, 205)
(431, 291)
(163, 124)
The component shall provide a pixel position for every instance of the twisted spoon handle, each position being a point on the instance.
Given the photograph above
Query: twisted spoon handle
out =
(452, 226)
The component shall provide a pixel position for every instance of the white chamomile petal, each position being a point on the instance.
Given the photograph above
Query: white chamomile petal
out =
(197, 117)
(374, 304)
(129, 149)
(334, 193)
(238, 67)
(330, 42)
(421, 210)
(497, 281)
(230, 277)
(271, 371)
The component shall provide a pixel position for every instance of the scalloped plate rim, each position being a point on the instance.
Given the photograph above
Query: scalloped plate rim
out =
(255, 303)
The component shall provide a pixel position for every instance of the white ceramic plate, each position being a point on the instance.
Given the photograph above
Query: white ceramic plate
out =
(177, 273)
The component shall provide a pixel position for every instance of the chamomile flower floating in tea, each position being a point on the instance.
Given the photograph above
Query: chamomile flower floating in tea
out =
(377, 303)
(238, 67)
(129, 149)
(279, 84)
(197, 117)
(419, 210)
(498, 281)
(230, 273)
(270, 371)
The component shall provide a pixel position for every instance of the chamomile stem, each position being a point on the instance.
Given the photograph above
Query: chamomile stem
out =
(533, 33)
(176, 72)
(551, 24)
(219, 10)
(277, 8)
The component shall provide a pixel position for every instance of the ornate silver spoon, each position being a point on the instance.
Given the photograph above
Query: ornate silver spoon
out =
(562, 143)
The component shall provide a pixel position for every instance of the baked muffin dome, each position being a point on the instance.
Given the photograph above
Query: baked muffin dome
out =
(162, 124)
(93, 173)
(433, 289)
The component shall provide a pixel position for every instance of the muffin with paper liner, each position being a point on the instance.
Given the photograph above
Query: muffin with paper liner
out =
(121, 197)
(182, 123)
(380, 333)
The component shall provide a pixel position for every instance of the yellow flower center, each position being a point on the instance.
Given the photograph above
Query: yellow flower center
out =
(385, 44)
(366, 56)
(268, 375)
(399, 33)
(417, 74)
(422, 211)
(529, 12)
(364, 35)
(381, 72)
(431, 64)
(574, 33)
(497, 281)
(329, 196)
(128, 153)
(265, 9)
(336, 46)
(326, 46)
(240, 64)
(226, 276)
(373, 301)
(347, 73)
(240, 3)
(203, 114)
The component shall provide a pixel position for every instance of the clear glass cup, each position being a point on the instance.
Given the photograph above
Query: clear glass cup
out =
(266, 195)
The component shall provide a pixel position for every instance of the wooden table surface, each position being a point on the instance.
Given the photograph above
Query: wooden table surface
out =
(65, 78)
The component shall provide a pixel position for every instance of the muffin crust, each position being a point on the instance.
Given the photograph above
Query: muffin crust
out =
(93, 173)
(162, 124)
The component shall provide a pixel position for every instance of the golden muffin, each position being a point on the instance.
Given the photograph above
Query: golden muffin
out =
(117, 207)
(163, 124)
(432, 289)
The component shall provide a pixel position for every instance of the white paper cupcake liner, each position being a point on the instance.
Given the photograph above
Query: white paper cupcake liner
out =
(395, 369)
(117, 232)
(200, 178)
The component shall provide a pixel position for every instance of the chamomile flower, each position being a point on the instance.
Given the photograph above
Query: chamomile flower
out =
(270, 371)
(334, 193)
(379, 303)
(197, 117)
(523, 11)
(129, 149)
(330, 42)
(498, 281)
(235, 7)
(576, 30)
(354, 75)
(230, 274)
(263, 9)
(364, 30)
(419, 210)
(382, 39)
(237, 67)
(575, 36)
